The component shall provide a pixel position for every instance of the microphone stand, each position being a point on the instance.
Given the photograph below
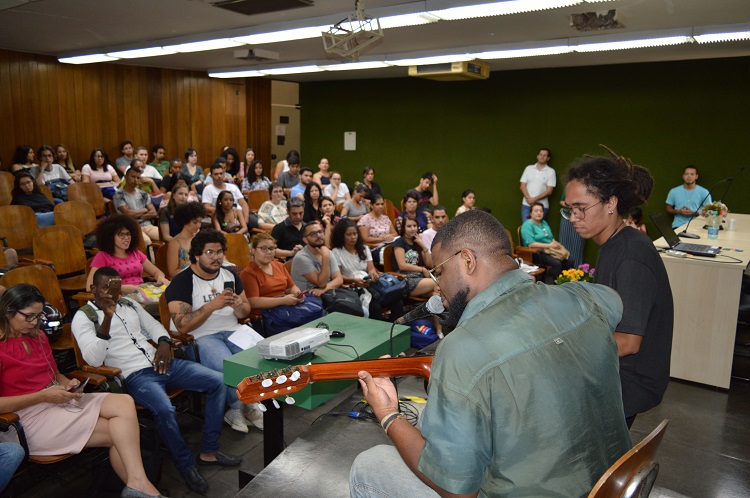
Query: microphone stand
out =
(729, 179)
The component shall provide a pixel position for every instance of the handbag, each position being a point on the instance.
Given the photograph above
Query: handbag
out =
(282, 318)
(59, 188)
(390, 288)
(344, 301)
(560, 253)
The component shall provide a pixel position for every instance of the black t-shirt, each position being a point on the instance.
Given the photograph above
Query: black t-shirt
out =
(169, 181)
(424, 199)
(38, 202)
(287, 236)
(629, 264)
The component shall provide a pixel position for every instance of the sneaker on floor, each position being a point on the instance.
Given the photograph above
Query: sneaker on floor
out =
(254, 416)
(236, 421)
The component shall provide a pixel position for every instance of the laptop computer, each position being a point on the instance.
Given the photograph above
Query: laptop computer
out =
(665, 229)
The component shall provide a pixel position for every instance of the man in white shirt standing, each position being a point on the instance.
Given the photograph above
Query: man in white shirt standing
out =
(537, 183)
(212, 190)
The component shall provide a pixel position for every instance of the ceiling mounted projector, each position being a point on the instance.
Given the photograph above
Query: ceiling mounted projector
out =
(348, 37)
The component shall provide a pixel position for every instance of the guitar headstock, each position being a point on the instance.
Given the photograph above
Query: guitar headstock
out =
(270, 385)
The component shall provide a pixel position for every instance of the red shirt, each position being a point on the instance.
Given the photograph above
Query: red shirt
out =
(24, 373)
(260, 284)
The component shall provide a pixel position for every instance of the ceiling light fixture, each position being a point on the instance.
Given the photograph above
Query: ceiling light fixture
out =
(291, 70)
(630, 44)
(722, 37)
(522, 52)
(141, 52)
(500, 8)
(202, 46)
(400, 21)
(431, 59)
(350, 66)
(281, 36)
(236, 74)
(87, 59)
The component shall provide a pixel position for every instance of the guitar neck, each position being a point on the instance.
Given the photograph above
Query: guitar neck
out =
(413, 366)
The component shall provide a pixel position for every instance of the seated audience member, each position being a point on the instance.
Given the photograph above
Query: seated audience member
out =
(127, 150)
(57, 421)
(207, 301)
(284, 166)
(425, 197)
(23, 160)
(146, 184)
(270, 288)
(315, 268)
(246, 165)
(635, 219)
(373, 189)
(223, 163)
(355, 263)
(411, 203)
(406, 252)
(524, 397)
(376, 227)
(535, 232)
(118, 238)
(12, 456)
(54, 176)
(151, 176)
(305, 179)
(439, 219)
(135, 203)
(227, 218)
(468, 198)
(255, 179)
(337, 190)
(62, 157)
(123, 342)
(288, 179)
(159, 164)
(328, 217)
(273, 211)
(99, 171)
(233, 163)
(189, 217)
(26, 193)
(211, 192)
(356, 207)
(192, 173)
(288, 234)
(171, 178)
(312, 197)
(168, 227)
(323, 176)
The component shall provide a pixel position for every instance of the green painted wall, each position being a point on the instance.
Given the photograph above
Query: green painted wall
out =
(480, 134)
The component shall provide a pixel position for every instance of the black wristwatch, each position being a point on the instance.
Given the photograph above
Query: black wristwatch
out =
(164, 339)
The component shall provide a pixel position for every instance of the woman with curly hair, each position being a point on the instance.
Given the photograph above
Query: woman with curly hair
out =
(313, 195)
(188, 217)
(118, 237)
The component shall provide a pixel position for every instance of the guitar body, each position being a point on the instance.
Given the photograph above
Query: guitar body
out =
(289, 380)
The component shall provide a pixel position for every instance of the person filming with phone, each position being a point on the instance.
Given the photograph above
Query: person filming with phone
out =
(115, 331)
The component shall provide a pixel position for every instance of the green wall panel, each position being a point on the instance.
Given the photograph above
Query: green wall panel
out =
(481, 134)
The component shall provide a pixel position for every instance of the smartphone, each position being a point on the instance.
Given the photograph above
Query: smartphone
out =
(79, 387)
(229, 285)
(114, 287)
(301, 294)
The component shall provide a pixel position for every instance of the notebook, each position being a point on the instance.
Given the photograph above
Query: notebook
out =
(665, 229)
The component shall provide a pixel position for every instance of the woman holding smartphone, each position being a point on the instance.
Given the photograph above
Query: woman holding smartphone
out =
(57, 420)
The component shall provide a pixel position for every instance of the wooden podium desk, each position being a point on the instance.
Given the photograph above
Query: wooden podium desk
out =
(706, 293)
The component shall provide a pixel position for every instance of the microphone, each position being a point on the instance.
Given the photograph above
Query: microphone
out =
(729, 180)
(433, 306)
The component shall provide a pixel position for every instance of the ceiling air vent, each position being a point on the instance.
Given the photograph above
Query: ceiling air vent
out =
(254, 7)
(595, 21)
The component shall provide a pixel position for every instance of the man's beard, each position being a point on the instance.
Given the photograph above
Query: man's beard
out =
(208, 270)
(456, 307)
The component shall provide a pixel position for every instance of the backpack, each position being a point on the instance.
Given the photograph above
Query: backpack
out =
(390, 288)
(91, 312)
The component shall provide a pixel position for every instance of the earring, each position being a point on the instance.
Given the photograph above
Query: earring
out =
(610, 212)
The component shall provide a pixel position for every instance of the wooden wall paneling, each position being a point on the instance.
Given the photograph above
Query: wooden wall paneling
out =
(80, 120)
(218, 121)
(153, 115)
(258, 119)
(20, 123)
(67, 115)
(7, 127)
(50, 112)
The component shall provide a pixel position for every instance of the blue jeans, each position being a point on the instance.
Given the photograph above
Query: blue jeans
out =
(45, 219)
(11, 454)
(212, 350)
(380, 471)
(149, 389)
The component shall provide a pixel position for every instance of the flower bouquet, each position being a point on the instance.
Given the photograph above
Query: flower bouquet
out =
(584, 273)
(717, 207)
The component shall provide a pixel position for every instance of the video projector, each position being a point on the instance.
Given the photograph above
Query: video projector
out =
(292, 343)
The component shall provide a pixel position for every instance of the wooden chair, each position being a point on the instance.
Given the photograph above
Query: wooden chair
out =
(161, 259)
(238, 250)
(390, 211)
(18, 226)
(255, 198)
(339, 206)
(47, 192)
(6, 188)
(526, 254)
(633, 475)
(90, 193)
(62, 247)
(78, 214)
(389, 268)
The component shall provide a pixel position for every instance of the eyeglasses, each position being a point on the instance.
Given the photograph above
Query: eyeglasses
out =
(436, 278)
(579, 212)
(32, 318)
(125, 235)
(213, 254)
(266, 248)
(315, 233)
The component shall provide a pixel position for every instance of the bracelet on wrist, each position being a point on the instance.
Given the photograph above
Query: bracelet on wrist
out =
(386, 423)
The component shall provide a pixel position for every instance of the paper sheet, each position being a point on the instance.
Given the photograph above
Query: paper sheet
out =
(245, 337)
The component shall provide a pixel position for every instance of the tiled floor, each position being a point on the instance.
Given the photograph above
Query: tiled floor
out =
(705, 452)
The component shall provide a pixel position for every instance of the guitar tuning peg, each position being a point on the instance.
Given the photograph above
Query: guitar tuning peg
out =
(276, 403)
(262, 407)
(289, 400)
(295, 376)
(281, 379)
(267, 383)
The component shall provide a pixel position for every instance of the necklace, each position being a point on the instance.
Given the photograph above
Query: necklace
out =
(617, 229)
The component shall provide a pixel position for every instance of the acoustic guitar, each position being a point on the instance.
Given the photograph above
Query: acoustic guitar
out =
(285, 381)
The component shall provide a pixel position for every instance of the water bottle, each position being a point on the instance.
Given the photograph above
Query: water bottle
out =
(713, 222)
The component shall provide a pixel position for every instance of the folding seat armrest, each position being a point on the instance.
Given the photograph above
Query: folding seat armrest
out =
(95, 380)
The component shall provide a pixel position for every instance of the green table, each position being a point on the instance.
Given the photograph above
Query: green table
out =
(370, 339)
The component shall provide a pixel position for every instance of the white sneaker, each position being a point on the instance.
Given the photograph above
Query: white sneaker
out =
(254, 415)
(236, 421)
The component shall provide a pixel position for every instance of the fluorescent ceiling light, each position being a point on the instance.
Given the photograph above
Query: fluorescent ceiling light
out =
(204, 45)
(282, 36)
(354, 65)
(522, 52)
(87, 59)
(433, 59)
(402, 20)
(292, 70)
(628, 44)
(237, 74)
(141, 52)
(722, 37)
(500, 8)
